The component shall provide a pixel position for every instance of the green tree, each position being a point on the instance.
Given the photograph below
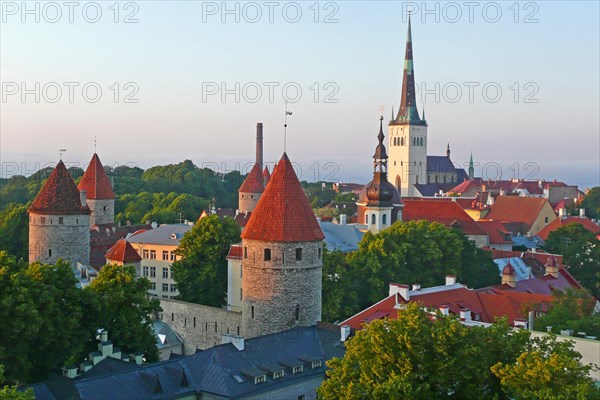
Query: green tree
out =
(547, 375)
(571, 309)
(591, 203)
(336, 300)
(14, 230)
(41, 313)
(415, 252)
(125, 309)
(424, 355)
(201, 274)
(581, 253)
(12, 392)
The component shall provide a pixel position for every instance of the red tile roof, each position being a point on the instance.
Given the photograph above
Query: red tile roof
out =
(447, 213)
(540, 285)
(124, 252)
(59, 195)
(559, 222)
(266, 176)
(253, 182)
(235, 252)
(497, 232)
(489, 306)
(242, 219)
(283, 213)
(95, 181)
(465, 186)
(516, 209)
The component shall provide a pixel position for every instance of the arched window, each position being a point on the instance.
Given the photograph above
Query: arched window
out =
(401, 141)
(421, 141)
(384, 219)
(366, 218)
(372, 219)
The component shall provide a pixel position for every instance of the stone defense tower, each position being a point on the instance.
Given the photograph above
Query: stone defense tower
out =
(99, 193)
(379, 204)
(407, 134)
(59, 221)
(252, 188)
(282, 258)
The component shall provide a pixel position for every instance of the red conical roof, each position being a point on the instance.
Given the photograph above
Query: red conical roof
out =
(95, 181)
(266, 176)
(283, 213)
(59, 195)
(123, 251)
(253, 182)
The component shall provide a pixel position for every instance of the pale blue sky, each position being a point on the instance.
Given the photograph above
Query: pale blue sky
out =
(170, 53)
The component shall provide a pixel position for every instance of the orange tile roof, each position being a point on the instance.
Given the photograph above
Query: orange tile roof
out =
(266, 176)
(559, 222)
(489, 306)
(283, 213)
(235, 252)
(122, 251)
(447, 213)
(95, 181)
(497, 232)
(253, 182)
(59, 195)
(516, 209)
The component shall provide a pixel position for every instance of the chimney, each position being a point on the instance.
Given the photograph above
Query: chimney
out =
(83, 197)
(530, 316)
(445, 309)
(551, 266)
(237, 341)
(549, 329)
(402, 290)
(416, 287)
(582, 213)
(259, 145)
(137, 357)
(344, 332)
(104, 335)
(343, 219)
(450, 280)
(508, 276)
(465, 315)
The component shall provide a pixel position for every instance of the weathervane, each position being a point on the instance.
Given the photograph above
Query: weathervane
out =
(285, 127)
(60, 151)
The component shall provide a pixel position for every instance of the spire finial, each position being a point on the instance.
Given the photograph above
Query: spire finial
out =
(448, 150)
(285, 126)
(95, 144)
(393, 118)
(60, 152)
(423, 111)
(409, 37)
(380, 136)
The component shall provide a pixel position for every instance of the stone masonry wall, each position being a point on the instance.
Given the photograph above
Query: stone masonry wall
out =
(99, 214)
(273, 289)
(199, 326)
(247, 201)
(69, 240)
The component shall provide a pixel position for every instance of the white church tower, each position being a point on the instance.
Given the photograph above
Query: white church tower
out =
(407, 134)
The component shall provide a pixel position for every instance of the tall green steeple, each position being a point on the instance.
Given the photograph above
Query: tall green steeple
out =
(471, 168)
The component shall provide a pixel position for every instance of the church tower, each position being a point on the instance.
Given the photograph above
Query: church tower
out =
(407, 134)
(100, 197)
(471, 168)
(282, 258)
(59, 221)
(379, 204)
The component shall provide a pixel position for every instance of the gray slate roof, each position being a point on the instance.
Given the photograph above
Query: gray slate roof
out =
(341, 237)
(171, 338)
(164, 234)
(217, 370)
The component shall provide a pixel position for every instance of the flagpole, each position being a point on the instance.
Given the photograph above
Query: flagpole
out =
(285, 128)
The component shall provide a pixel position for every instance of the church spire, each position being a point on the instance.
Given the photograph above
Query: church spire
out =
(471, 168)
(380, 157)
(448, 150)
(408, 112)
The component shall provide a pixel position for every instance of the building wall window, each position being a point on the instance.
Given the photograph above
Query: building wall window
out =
(165, 273)
(299, 254)
(49, 252)
(297, 312)
(245, 252)
(267, 254)
(152, 272)
(145, 270)
(152, 285)
(43, 220)
(165, 287)
(241, 295)
(297, 369)
(251, 311)
(153, 254)
(384, 219)
(61, 220)
(320, 249)
(165, 255)
(172, 256)
(145, 253)
(173, 287)
(372, 219)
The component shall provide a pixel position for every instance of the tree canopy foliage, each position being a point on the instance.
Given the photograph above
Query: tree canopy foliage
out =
(581, 253)
(201, 274)
(408, 252)
(591, 203)
(571, 309)
(425, 356)
(47, 321)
